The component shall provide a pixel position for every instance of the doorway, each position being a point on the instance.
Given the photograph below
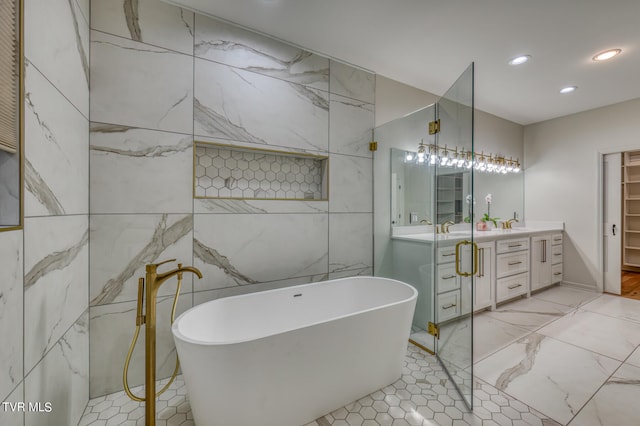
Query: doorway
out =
(621, 223)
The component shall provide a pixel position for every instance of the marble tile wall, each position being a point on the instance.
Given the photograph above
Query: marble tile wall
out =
(162, 77)
(44, 284)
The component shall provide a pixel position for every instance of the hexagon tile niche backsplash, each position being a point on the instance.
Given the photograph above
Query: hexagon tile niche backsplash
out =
(227, 172)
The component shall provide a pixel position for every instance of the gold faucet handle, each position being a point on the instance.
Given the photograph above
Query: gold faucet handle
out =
(166, 261)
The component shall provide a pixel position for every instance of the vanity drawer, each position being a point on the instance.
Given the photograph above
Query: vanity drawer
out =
(507, 246)
(556, 239)
(556, 254)
(556, 273)
(446, 254)
(448, 305)
(506, 288)
(512, 263)
(447, 278)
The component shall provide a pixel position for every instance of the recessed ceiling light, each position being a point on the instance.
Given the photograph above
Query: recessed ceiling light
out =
(519, 60)
(568, 89)
(607, 54)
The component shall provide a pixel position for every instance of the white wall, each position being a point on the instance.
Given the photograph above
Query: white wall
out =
(561, 177)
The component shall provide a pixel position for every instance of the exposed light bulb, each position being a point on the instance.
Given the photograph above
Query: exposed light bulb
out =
(409, 156)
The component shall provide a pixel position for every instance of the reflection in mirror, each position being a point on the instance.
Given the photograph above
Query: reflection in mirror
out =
(412, 201)
(11, 114)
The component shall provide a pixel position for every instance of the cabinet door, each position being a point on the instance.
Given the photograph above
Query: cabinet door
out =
(483, 295)
(540, 261)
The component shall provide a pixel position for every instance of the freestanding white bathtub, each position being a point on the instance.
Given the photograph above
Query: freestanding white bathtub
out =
(289, 356)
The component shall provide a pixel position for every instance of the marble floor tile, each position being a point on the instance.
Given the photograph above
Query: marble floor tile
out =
(553, 377)
(598, 333)
(531, 313)
(634, 359)
(566, 296)
(616, 403)
(423, 396)
(615, 306)
(491, 334)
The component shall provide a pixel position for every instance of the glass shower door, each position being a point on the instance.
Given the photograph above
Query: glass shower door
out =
(455, 251)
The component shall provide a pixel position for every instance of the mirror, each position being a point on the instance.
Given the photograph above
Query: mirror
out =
(412, 200)
(11, 114)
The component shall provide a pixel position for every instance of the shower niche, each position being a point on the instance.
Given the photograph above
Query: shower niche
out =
(233, 172)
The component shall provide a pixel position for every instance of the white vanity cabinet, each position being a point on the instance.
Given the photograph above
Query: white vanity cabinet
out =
(483, 294)
(448, 300)
(546, 260)
(512, 268)
(556, 258)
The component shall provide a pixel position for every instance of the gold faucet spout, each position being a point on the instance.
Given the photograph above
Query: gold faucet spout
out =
(161, 278)
(509, 223)
(444, 228)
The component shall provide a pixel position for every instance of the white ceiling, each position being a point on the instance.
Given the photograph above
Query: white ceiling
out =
(428, 43)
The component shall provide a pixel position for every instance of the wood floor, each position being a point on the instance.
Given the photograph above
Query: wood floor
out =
(631, 285)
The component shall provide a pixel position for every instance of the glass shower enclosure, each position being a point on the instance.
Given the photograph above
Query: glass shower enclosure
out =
(424, 223)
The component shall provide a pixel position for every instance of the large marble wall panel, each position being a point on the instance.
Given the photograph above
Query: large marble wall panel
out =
(140, 171)
(351, 126)
(56, 151)
(140, 85)
(350, 184)
(352, 82)
(57, 43)
(226, 206)
(56, 263)
(121, 246)
(350, 241)
(11, 292)
(61, 378)
(9, 417)
(149, 21)
(112, 328)
(233, 250)
(234, 104)
(240, 48)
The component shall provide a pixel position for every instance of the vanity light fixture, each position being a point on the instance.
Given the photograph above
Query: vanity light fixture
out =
(519, 60)
(607, 54)
(568, 89)
(452, 157)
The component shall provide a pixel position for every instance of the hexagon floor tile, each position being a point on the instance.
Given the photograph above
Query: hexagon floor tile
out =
(423, 396)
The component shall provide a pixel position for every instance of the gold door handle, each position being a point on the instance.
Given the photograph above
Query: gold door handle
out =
(475, 258)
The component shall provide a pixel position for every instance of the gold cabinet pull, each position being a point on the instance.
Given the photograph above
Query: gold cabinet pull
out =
(514, 263)
(448, 277)
(511, 287)
(475, 258)
(449, 306)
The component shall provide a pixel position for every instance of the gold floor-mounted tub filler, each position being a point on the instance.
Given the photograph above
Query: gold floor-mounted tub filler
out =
(149, 294)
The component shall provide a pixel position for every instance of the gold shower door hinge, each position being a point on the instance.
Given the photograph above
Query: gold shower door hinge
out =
(434, 330)
(373, 146)
(434, 127)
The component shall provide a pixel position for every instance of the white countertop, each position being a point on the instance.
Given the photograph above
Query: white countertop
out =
(460, 232)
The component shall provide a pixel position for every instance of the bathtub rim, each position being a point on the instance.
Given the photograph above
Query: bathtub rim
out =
(179, 335)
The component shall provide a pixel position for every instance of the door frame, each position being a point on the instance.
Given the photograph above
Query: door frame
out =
(600, 202)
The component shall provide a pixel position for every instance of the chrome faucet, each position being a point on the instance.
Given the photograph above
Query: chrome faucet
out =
(508, 223)
(444, 228)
